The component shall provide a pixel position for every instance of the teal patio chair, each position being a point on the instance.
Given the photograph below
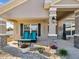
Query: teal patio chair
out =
(34, 36)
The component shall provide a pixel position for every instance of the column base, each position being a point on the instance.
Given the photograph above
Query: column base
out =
(76, 41)
(52, 36)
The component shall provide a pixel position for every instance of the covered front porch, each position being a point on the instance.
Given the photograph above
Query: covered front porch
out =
(48, 22)
(51, 25)
(31, 29)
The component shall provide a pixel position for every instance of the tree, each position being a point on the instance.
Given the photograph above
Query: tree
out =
(10, 29)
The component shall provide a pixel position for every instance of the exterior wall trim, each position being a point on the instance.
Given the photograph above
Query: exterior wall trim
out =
(48, 5)
(11, 6)
(66, 6)
(71, 18)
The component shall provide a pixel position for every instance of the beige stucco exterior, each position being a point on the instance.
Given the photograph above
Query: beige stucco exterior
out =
(44, 27)
(11, 5)
(33, 14)
(31, 9)
(37, 11)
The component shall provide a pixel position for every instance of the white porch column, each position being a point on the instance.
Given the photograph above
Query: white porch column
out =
(16, 31)
(52, 23)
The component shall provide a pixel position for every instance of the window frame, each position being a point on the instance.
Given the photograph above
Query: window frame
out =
(70, 22)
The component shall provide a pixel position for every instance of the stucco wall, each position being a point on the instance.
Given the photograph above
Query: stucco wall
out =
(44, 27)
(29, 9)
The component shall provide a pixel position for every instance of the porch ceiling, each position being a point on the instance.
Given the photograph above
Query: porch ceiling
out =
(44, 20)
(64, 12)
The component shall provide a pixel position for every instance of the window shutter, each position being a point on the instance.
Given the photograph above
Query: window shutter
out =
(21, 29)
(39, 29)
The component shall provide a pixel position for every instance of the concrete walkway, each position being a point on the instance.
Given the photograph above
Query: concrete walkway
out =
(66, 44)
(69, 46)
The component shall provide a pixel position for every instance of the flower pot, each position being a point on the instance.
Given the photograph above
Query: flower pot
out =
(24, 45)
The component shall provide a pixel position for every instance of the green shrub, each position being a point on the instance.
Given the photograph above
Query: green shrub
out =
(63, 52)
(40, 49)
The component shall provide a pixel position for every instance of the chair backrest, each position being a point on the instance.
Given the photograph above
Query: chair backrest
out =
(26, 35)
(34, 35)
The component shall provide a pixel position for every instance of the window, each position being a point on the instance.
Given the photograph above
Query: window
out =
(70, 27)
(27, 27)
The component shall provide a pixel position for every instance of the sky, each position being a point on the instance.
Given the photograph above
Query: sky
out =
(3, 2)
(8, 23)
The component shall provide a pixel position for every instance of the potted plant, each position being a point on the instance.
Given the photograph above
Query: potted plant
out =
(24, 45)
(24, 48)
(63, 53)
(53, 47)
